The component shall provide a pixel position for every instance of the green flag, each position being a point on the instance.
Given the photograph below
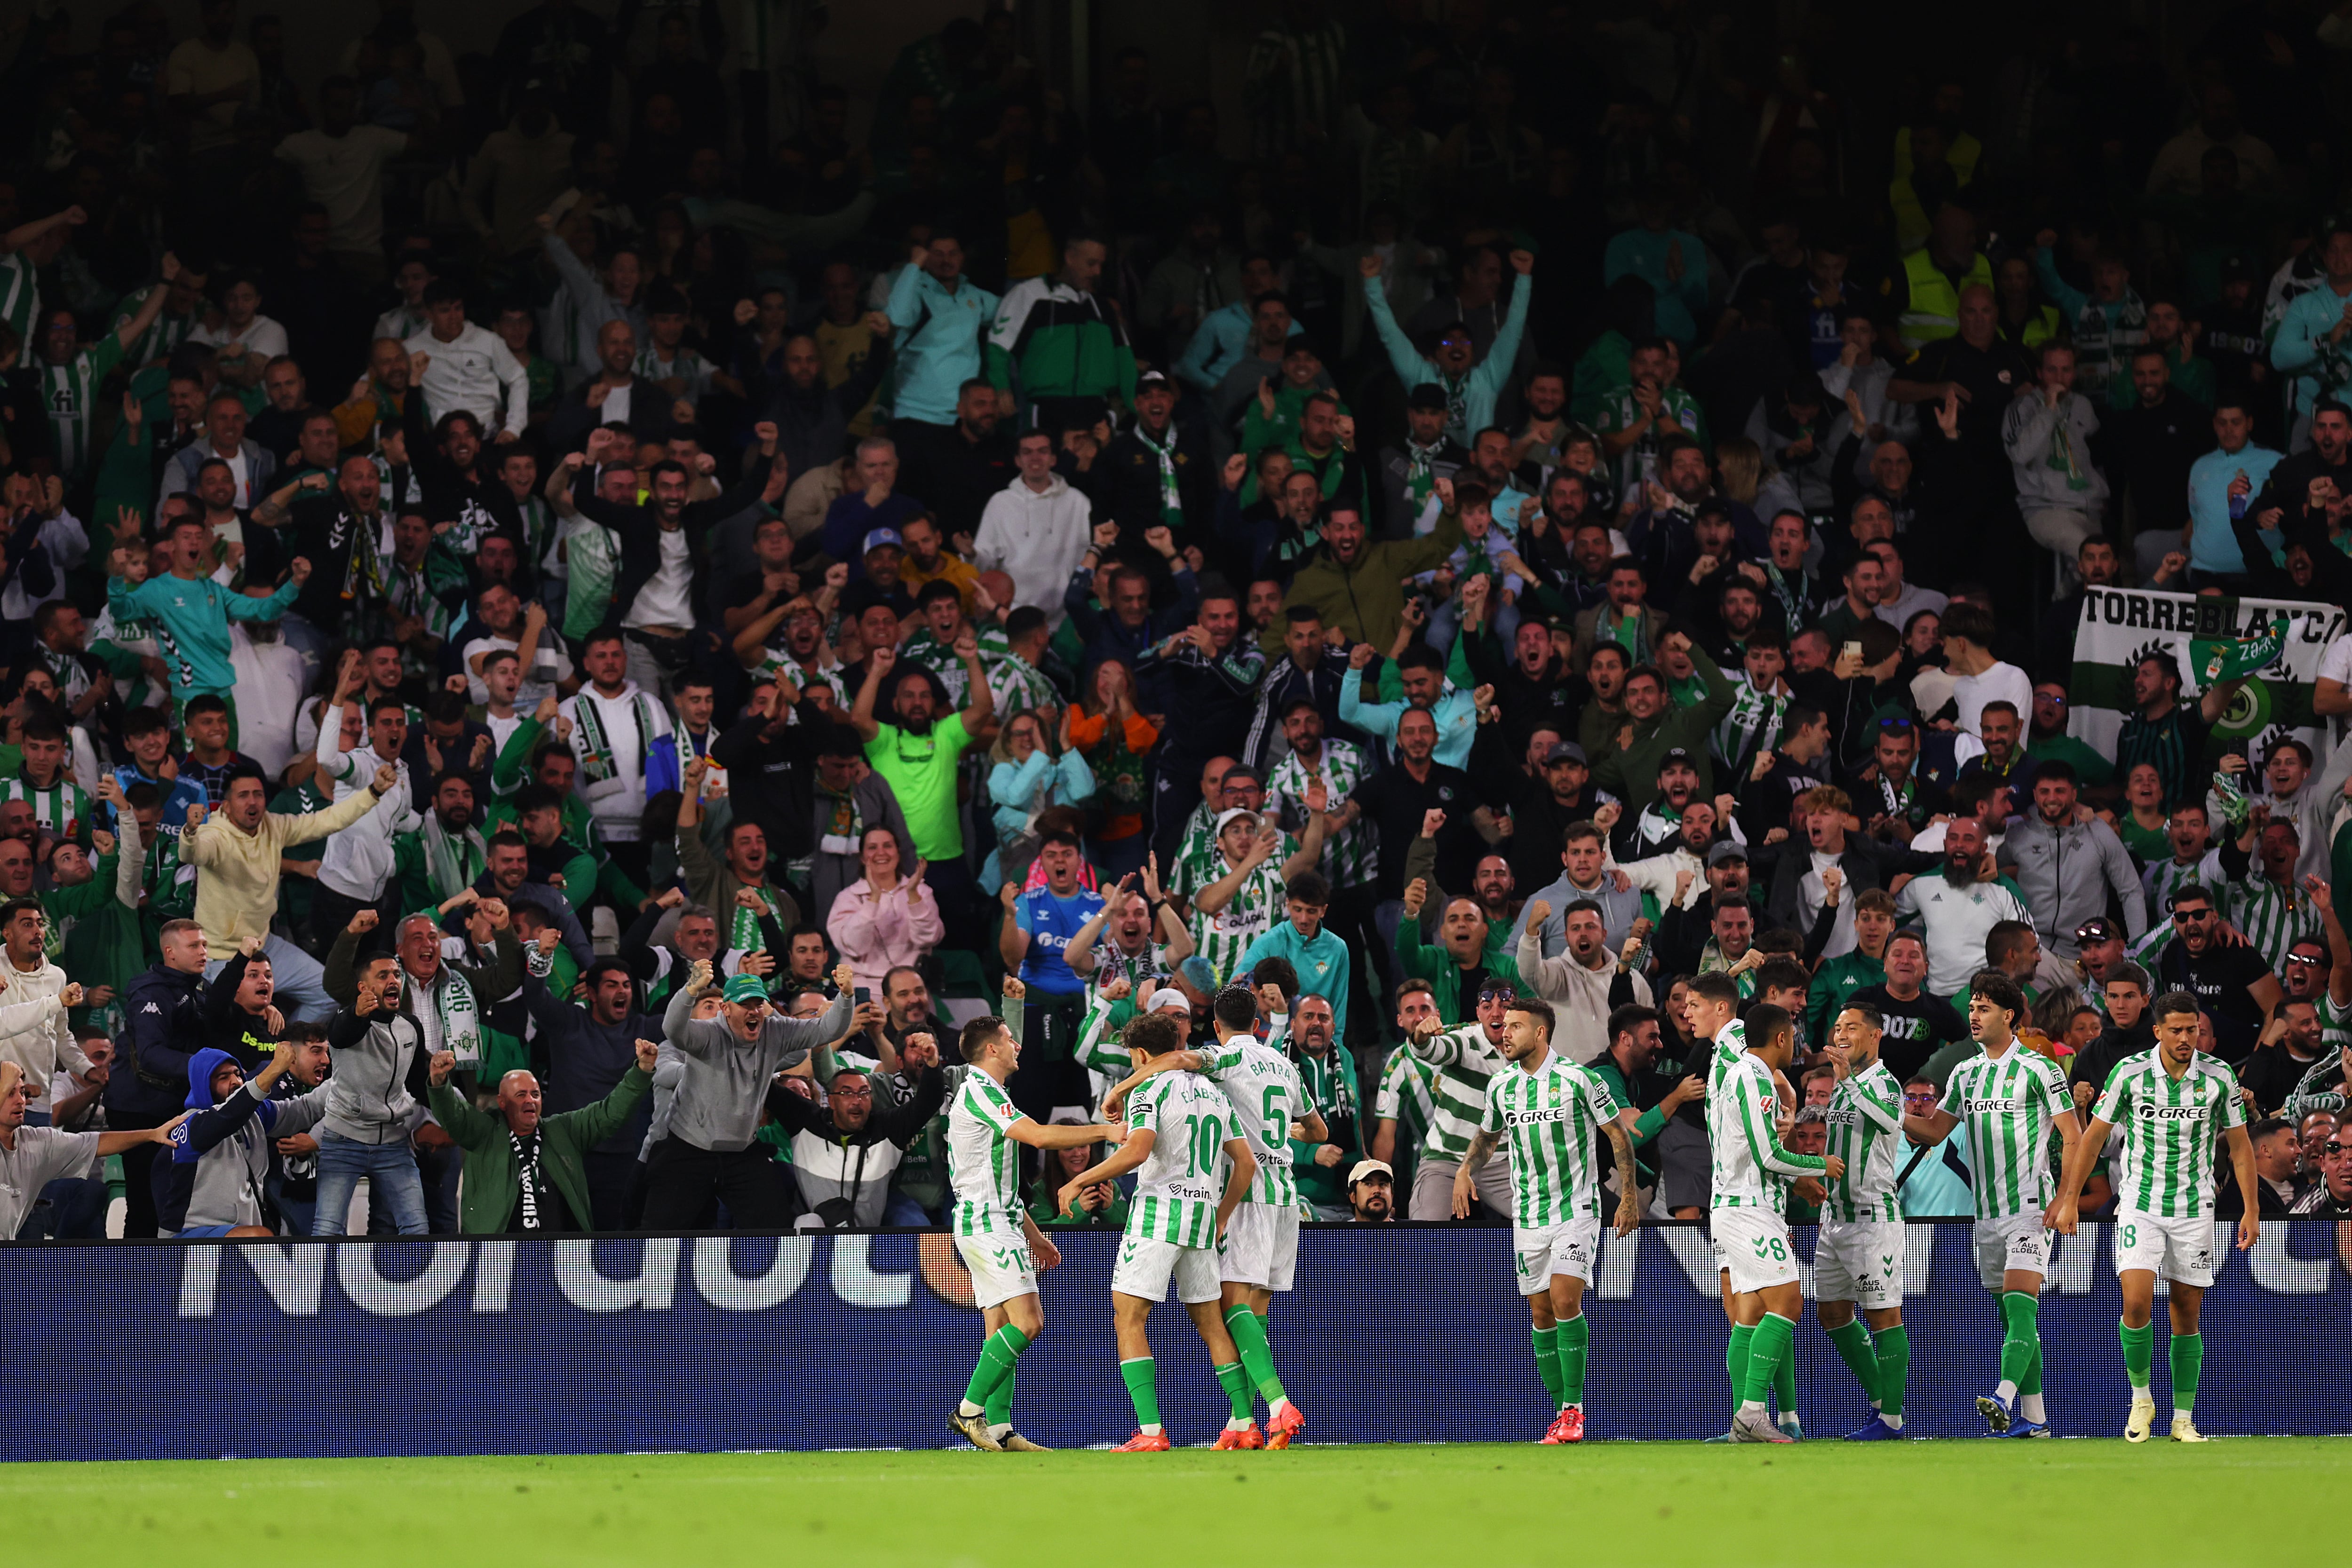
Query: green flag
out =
(2227, 659)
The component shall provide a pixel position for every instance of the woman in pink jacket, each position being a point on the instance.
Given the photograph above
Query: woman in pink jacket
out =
(882, 920)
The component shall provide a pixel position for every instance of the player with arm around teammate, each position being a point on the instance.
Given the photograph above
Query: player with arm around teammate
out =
(2173, 1106)
(1858, 1258)
(999, 1243)
(1181, 1130)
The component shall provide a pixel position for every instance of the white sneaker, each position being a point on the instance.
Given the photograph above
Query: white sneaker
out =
(2184, 1430)
(2142, 1418)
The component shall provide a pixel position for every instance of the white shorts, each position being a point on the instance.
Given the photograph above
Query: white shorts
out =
(1261, 1245)
(1753, 1243)
(1540, 1255)
(1000, 1265)
(1859, 1261)
(2015, 1241)
(1144, 1266)
(2180, 1250)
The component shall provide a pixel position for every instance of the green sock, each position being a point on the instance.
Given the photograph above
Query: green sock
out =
(997, 1356)
(2139, 1352)
(1000, 1400)
(1236, 1383)
(1852, 1342)
(1784, 1377)
(2188, 1361)
(1894, 1367)
(2020, 1334)
(1249, 1338)
(1142, 1386)
(2030, 1385)
(1775, 1336)
(1547, 1344)
(1575, 1338)
(1735, 1360)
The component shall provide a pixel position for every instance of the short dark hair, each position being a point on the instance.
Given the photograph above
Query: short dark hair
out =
(1154, 1034)
(1537, 1009)
(1781, 975)
(1629, 1017)
(1714, 986)
(1867, 1011)
(973, 1040)
(1308, 887)
(1235, 1007)
(1278, 972)
(2172, 1004)
(2001, 991)
(207, 703)
(1969, 623)
(1768, 1022)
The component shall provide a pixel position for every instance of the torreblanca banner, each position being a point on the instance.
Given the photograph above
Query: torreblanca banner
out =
(2213, 639)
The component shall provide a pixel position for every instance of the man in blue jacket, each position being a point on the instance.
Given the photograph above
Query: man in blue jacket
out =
(939, 316)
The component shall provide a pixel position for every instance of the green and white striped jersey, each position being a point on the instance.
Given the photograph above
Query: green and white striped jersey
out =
(1350, 858)
(1467, 1062)
(2006, 1105)
(1547, 1118)
(1224, 937)
(69, 398)
(1407, 1095)
(54, 808)
(1098, 1049)
(1865, 1117)
(1750, 1169)
(1753, 723)
(2170, 1126)
(1178, 1183)
(1263, 1085)
(983, 1163)
(167, 333)
(2274, 919)
(20, 299)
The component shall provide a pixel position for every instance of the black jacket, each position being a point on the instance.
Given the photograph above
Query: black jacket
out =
(230, 1028)
(164, 1026)
(639, 531)
(768, 775)
(1866, 864)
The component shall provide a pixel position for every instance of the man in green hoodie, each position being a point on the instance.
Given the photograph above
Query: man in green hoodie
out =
(1655, 725)
(524, 1171)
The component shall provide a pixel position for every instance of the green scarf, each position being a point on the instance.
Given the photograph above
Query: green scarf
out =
(452, 862)
(595, 751)
(1171, 506)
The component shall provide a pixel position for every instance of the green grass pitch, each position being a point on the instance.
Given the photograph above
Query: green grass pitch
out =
(1954, 1501)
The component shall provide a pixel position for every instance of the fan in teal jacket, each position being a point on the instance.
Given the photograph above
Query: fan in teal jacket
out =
(1470, 389)
(190, 616)
(2304, 348)
(491, 1181)
(941, 323)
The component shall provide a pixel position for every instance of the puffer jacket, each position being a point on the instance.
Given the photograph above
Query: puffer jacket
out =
(381, 1078)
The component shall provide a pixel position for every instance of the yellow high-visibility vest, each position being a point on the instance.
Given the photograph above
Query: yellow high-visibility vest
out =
(1934, 312)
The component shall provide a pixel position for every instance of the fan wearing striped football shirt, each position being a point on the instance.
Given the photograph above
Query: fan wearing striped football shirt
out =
(1543, 1110)
(2009, 1098)
(1858, 1258)
(1182, 1132)
(70, 373)
(1261, 1246)
(999, 1243)
(2173, 1107)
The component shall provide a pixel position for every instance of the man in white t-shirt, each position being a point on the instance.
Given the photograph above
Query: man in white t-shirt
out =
(341, 163)
(210, 76)
(456, 364)
(1977, 678)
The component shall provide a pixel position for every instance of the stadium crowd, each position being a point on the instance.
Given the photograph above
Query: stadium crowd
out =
(1547, 505)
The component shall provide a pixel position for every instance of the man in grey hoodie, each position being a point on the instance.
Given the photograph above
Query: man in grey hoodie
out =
(374, 1100)
(2047, 433)
(728, 1062)
(2066, 868)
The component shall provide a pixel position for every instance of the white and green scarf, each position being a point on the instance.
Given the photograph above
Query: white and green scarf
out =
(596, 760)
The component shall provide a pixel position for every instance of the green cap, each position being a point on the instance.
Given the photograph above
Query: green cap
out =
(745, 989)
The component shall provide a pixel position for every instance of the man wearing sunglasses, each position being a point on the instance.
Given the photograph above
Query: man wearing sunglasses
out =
(2236, 988)
(1466, 1061)
(2330, 1196)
